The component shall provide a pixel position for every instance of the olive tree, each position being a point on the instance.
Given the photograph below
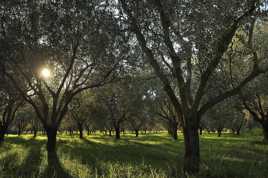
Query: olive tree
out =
(188, 39)
(54, 51)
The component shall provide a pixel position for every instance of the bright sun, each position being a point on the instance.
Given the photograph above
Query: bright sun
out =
(45, 73)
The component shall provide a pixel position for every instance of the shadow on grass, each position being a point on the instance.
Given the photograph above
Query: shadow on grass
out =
(221, 157)
(29, 166)
(54, 168)
(123, 152)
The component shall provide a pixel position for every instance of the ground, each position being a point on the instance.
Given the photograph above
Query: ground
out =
(151, 155)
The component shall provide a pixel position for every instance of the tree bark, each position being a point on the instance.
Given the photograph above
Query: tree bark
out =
(192, 150)
(51, 140)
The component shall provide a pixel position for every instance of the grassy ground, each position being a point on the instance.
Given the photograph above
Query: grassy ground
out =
(154, 155)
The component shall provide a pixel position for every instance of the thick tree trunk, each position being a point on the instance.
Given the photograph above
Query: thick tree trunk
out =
(136, 133)
(117, 133)
(192, 152)
(51, 140)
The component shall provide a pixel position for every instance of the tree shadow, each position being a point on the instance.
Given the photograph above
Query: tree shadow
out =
(97, 156)
(29, 166)
(54, 168)
(9, 164)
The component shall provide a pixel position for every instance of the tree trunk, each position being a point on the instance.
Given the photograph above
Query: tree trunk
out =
(265, 131)
(175, 135)
(80, 128)
(174, 131)
(51, 140)
(117, 133)
(237, 132)
(192, 152)
(136, 133)
(110, 132)
(2, 135)
(219, 132)
(34, 133)
(19, 131)
(200, 130)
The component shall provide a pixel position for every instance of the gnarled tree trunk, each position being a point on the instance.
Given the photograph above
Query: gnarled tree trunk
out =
(191, 144)
(51, 140)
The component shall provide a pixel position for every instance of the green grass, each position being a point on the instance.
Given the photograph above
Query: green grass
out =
(153, 155)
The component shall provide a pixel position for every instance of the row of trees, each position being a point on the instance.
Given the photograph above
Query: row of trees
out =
(130, 106)
(202, 54)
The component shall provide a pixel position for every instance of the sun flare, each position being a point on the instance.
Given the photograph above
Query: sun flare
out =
(45, 73)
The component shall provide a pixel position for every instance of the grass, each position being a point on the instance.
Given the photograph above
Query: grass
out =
(153, 155)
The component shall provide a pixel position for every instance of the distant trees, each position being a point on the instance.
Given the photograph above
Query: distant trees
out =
(80, 111)
(140, 103)
(226, 115)
(113, 98)
(165, 112)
